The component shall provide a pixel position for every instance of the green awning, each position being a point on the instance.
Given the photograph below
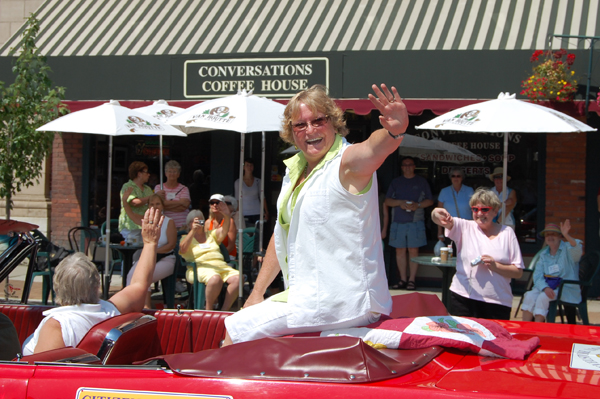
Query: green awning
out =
(167, 27)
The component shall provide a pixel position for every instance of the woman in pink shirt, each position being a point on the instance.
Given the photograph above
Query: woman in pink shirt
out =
(488, 257)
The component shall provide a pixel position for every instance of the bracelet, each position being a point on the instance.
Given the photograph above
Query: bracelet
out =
(396, 137)
(441, 236)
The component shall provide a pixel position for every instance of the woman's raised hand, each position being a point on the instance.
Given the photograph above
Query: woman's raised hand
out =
(394, 116)
(565, 227)
(151, 224)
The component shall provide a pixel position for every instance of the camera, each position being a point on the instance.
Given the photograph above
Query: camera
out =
(201, 222)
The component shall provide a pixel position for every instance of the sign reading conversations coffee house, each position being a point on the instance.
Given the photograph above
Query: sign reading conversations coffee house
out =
(267, 77)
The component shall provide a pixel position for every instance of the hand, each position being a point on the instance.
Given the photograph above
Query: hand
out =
(413, 207)
(489, 262)
(394, 116)
(383, 234)
(151, 224)
(224, 209)
(196, 225)
(126, 194)
(549, 293)
(161, 194)
(565, 227)
(444, 218)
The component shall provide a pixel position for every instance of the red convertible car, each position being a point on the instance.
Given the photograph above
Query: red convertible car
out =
(175, 354)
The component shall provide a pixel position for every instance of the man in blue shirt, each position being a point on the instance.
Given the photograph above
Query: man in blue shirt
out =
(409, 195)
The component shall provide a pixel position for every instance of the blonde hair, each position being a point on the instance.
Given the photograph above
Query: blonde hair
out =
(485, 196)
(317, 100)
(76, 281)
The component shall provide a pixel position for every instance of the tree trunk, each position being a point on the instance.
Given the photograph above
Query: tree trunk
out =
(8, 202)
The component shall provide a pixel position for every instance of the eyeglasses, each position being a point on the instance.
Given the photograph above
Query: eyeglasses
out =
(498, 177)
(453, 176)
(407, 165)
(228, 203)
(144, 171)
(214, 202)
(315, 123)
(482, 209)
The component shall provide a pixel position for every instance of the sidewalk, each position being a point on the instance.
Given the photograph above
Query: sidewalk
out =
(17, 278)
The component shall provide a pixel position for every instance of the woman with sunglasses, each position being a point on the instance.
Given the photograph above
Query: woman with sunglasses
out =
(488, 257)
(216, 219)
(455, 198)
(327, 240)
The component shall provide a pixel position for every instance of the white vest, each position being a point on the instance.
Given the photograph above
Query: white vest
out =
(334, 251)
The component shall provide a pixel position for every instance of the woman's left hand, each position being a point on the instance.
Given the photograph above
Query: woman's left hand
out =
(223, 208)
(151, 224)
(394, 116)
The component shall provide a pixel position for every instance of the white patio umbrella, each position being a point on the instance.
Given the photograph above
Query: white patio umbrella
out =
(242, 113)
(506, 115)
(162, 111)
(110, 119)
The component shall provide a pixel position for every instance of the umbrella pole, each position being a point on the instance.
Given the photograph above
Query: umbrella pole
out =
(240, 224)
(107, 236)
(262, 195)
(505, 169)
(160, 172)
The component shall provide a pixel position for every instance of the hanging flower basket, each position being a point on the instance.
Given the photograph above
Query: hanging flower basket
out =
(552, 77)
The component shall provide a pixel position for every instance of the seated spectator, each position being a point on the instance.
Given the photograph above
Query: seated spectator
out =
(165, 257)
(77, 285)
(202, 248)
(559, 260)
(138, 199)
(176, 196)
(216, 219)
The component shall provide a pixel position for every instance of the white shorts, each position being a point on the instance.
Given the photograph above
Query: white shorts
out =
(537, 302)
(269, 319)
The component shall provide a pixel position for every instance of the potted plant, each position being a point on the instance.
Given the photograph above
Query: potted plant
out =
(552, 77)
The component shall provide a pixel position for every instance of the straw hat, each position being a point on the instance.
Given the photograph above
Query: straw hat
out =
(498, 172)
(550, 228)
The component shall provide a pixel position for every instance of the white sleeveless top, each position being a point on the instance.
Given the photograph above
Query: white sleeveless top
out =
(339, 274)
(75, 321)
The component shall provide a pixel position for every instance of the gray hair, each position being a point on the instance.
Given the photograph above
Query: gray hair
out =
(76, 281)
(230, 198)
(487, 197)
(456, 169)
(195, 213)
(173, 165)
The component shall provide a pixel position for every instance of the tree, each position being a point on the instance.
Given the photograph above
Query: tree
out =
(25, 105)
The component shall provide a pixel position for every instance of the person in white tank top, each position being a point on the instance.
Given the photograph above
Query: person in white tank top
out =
(328, 205)
(77, 286)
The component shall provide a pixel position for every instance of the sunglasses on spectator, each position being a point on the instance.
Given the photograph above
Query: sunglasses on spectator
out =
(456, 176)
(315, 123)
(482, 209)
(228, 203)
(214, 202)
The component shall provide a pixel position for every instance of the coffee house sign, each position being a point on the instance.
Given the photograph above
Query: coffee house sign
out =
(267, 77)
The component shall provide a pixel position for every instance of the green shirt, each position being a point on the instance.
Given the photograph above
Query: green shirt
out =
(124, 221)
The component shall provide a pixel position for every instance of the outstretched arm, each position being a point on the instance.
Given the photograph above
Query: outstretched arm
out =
(132, 297)
(361, 160)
